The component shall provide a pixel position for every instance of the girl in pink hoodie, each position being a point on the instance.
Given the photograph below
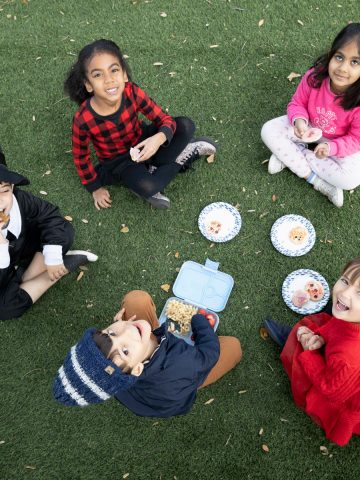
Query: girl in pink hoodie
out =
(327, 98)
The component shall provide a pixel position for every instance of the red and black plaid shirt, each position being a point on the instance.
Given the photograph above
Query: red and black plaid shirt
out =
(114, 134)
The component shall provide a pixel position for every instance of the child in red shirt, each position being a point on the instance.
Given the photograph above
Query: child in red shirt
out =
(322, 359)
(143, 157)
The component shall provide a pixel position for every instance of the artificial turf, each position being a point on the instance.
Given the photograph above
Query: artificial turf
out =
(230, 77)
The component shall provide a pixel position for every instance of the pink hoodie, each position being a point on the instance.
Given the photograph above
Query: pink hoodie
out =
(321, 108)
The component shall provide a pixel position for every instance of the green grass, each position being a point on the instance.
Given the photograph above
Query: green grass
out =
(229, 91)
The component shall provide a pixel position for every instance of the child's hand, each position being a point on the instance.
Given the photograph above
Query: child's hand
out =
(308, 339)
(303, 335)
(120, 314)
(150, 146)
(315, 342)
(56, 271)
(300, 127)
(322, 150)
(101, 198)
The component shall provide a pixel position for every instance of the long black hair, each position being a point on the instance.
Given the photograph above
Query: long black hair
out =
(74, 84)
(351, 97)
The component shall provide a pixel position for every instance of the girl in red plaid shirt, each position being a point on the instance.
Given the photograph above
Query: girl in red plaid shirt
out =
(144, 157)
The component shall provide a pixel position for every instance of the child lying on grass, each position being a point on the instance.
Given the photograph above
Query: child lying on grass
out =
(148, 369)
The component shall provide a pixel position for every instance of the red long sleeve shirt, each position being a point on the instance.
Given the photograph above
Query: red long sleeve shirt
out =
(114, 134)
(326, 382)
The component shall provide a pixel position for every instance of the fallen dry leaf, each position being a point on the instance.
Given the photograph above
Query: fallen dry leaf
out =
(214, 46)
(265, 448)
(209, 401)
(273, 198)
(155, 423)
(126, 475)
(210, 159)
(43, 192)
(30, 467)
(261, 22)
(242, 391)
(84, 267)
(163, 14)
(47, 172)
(212, 245)
(172, 74)
(124, 229)
(261, 431)
(79, 277)
(324, 450)
(265, 161)
(68, 218)
(263, 333)
(165, 287)
(158, 64)
(300, 23)
(177, 254)
(293, 75)
(84, 220)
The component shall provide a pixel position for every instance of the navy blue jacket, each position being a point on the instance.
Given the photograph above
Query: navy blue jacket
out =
(169, 382)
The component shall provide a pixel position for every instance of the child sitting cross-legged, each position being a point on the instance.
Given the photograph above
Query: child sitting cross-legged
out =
(146, 368)
(34, 243)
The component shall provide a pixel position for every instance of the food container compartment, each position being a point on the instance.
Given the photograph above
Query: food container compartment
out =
(185, 336)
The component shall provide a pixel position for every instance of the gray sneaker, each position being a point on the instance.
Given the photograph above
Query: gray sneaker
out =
(195, 149)
(158, 201)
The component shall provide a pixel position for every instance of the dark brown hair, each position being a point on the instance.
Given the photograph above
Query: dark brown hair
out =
(352, 270)
(351, 97)
(105, 345)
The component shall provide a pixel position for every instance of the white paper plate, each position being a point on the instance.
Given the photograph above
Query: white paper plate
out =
(312, 135)
(280, 232)
(297, 280)
(223, 214)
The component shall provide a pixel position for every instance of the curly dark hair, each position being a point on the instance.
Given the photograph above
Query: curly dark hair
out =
(74, 84)
(351, 97)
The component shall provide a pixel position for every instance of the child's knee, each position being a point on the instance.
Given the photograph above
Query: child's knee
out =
(137, 297)
(266, 130)
(236, 346)
(274, 127)
(233, 345)
(185, 125)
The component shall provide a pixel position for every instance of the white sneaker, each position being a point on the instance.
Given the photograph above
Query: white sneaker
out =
(275, 165)
(91, 257)
(334, 194)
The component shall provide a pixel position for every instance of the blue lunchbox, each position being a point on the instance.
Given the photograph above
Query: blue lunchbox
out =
(202, 286)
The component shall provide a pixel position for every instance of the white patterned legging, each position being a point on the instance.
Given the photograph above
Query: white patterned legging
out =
(342, 172)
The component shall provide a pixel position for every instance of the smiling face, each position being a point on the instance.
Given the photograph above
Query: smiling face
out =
(106, 80)
(346, 297)
(132, 344)
(344, 67)
(6, 200)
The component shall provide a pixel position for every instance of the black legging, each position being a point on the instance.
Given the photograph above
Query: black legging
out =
(136, 176)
